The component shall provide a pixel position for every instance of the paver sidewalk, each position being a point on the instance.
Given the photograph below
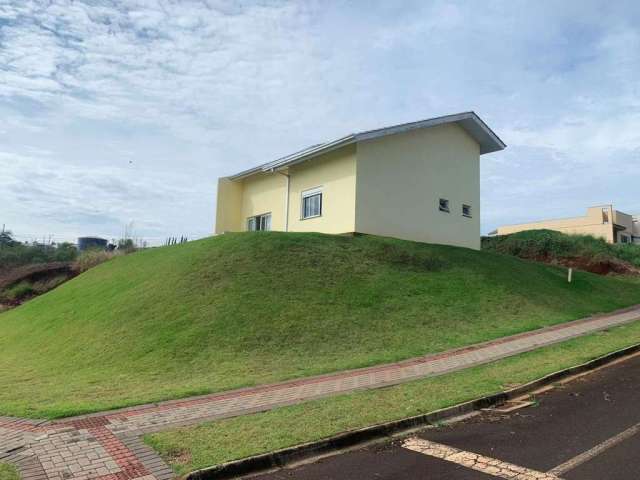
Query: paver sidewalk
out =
(107, 445)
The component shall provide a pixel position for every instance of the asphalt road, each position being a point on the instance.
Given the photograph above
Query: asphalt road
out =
(589, 428)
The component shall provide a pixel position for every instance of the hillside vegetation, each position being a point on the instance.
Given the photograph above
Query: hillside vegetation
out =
(8, 472)
(15, 254)
(244, 309)
(581, 251)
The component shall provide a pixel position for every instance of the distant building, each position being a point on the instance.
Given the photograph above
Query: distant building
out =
(91, 243)
(601, 221)
(417, 181)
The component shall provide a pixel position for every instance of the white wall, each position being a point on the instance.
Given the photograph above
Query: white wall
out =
(400, 179)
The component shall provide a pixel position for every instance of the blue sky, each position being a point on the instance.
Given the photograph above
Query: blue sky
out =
(126, 112)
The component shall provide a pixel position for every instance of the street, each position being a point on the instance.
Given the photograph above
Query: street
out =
(584, 429)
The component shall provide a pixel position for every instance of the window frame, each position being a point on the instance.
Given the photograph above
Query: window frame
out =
(470, 210)
(258, 221)
(446, 208)
(309, 194)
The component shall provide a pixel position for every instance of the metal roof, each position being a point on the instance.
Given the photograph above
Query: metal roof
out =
(469, 121)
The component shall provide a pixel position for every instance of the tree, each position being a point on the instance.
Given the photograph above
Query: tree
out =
(65, 252)
(6, 239)
(126, 245)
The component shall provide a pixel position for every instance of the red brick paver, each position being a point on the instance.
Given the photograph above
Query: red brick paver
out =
(107, 446)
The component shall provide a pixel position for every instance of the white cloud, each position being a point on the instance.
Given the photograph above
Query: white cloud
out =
(192, 90)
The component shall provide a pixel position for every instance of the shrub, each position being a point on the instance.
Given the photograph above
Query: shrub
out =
(43, 286)
(549, 244)
(126, 245)
(18, 291)
(91, 258)
(15, 254)
(65, 252)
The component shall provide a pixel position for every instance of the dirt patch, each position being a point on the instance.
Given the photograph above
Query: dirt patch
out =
(24, 283)
(34, 273)
(590, 264)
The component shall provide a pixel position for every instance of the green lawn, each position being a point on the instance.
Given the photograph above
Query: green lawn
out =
(246, 309)
(192, 448)
(8, 472)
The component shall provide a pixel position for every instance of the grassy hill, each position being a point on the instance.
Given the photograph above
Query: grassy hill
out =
(244, 309)
(581, 251)
(8, 472)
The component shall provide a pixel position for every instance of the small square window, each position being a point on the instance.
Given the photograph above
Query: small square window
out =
(466, 210)
(443, 205)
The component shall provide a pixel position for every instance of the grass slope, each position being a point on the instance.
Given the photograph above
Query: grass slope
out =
(244, 309)
(190, 448)
(8, 472)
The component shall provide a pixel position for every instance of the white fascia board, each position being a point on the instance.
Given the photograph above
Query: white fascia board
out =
(469, 121)
(244, 173)
(309, 154)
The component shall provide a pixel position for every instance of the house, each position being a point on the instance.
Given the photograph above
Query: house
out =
(416, 181)
(601, 221)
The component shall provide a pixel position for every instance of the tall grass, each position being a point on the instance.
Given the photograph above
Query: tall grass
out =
(549, 244)
(91, 258)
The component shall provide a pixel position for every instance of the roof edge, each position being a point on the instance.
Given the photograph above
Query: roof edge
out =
(468, 121)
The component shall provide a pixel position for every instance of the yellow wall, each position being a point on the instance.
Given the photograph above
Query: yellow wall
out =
(388, 186)
(228, 206)
(590, 224)
(264, 193)
(335, 173)
(402, 177)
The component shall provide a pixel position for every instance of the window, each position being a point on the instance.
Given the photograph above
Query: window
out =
(259, 223)
(311, 203)
(624, 239)
(605, 215)
(466, 210)
(443, 205)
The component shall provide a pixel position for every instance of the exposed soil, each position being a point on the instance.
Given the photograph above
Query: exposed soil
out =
(593, 265)
(41, 273)
(34, 273)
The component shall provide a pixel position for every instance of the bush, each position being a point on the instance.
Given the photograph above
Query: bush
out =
(65, 252)
(91, 258)
(16, 254)
(26, 289)
(42, 286)
(549, 244)
(18, 291)
(629, 253)
(126, 245)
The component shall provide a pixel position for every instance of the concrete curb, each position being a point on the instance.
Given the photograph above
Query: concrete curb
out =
(280, 458)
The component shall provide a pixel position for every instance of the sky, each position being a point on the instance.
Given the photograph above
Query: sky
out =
(123, 114)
